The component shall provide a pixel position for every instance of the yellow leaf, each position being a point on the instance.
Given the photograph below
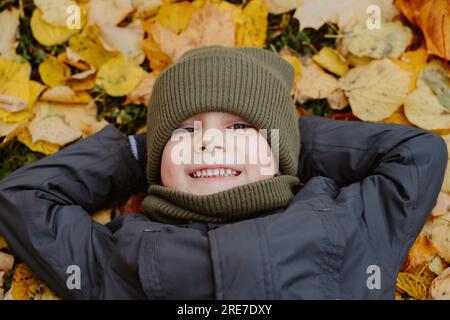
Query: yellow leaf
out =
(89, 47)
(330, 59)
(40, 146)
(47, 34)
(3, 243)
(176, 15)
(397, 117)
(9, 22)
(157, 58)
(209, 26)
(251, 27)
(127, 40)
(146, 8)
(119, 77)
(295, 63)
(65, 94)
(27, 286)
(102, 216)
(53, 72)
(414, 62)
(142, 93)
(375, 90)
(14, 85)
(35, 90)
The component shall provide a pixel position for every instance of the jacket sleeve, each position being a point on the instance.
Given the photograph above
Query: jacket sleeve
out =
(45, 207)
(400, 170)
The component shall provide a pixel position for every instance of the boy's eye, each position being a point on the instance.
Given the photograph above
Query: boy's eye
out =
(237, 126)
(183, 130)
(188, 129)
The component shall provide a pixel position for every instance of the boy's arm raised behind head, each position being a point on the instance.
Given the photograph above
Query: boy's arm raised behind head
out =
(400, 170)
(45, 206)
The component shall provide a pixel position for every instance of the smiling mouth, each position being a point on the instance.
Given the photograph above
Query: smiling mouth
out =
(215, 173)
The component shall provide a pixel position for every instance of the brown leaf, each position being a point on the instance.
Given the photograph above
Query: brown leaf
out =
(433, 18)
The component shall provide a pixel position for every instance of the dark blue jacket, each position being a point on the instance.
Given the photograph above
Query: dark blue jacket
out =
(368, 189)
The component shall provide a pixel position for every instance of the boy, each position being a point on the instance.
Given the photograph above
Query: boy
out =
(248, 233)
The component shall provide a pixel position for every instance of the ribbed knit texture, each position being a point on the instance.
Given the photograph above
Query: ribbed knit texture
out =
(252, 83)
(241, 202)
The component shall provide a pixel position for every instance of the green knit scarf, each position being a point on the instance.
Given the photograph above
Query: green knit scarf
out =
(167, 205)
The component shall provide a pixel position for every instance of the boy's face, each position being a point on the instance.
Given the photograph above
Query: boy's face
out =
(214, 151)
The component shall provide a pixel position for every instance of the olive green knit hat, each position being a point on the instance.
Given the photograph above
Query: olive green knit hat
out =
(252, 83)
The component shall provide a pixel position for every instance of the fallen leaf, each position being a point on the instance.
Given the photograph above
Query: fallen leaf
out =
(3, 243)
(146, 8)
(282, 6)
(433, 18)
(442, 205)
(413, 61)
(344, 13)
(14, 85)
(53, 72)
(330, 59)
(9, 23)
(436, 75)
(52, 129)
(314, 83)
(84, 84)
(157, 58)
(44, 147)
(440, 235)
(440, 287)
(118, 77)
(398, 117)
(6, 261)
(27, 286)
(127, 40)
(337, 100)
(421, 252)
(176, 15)
(102, 216)
(142, 93)
(250, 23)
(109, 11)
(89, 47)
(423, 109)
(375, 90)
(65, 94)
(55, 12)
(209, 26)
(390, 41)
(47, 34)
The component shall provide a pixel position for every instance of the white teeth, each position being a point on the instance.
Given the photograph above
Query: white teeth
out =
(215, 172)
